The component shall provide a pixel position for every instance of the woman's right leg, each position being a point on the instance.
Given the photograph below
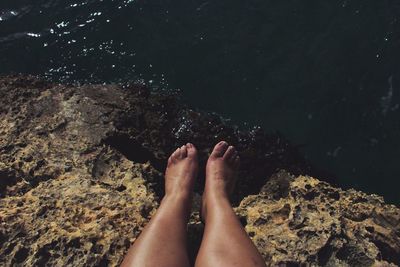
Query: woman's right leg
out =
(163, 241)
(225, 242)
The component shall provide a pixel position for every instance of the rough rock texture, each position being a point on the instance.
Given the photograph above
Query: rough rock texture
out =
(305, 221)
(81, 174)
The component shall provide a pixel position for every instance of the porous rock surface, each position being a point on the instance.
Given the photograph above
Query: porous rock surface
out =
(81, 175)
(301, 220)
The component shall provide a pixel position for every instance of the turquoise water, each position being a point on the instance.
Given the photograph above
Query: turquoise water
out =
(324, 73)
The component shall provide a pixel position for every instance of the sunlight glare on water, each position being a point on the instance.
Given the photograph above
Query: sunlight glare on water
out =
(324, 73)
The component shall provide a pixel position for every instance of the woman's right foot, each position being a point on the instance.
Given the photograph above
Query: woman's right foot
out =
(221, 172)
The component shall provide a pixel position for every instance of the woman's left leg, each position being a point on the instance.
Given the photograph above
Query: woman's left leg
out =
(163, 242)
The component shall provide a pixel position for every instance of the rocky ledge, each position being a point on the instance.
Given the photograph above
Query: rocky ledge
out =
(81, 174)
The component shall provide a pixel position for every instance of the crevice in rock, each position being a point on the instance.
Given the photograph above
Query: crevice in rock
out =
(132, 150)
(325, 253)
(21, 255)
(147, 128)
(43, 256)
(195, 236)
(2, 240)
(354, 255)
(36, 180)
(104, 262)
(136, 152)
(388, 254)
(8, 177)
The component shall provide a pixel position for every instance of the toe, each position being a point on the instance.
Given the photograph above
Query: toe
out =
(219, 149)
(233, 158)
(170, 161)
(230, 153)
(176, 154)
(191, 150)
(183, 151)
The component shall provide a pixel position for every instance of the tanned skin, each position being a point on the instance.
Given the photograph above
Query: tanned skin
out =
(163, 242)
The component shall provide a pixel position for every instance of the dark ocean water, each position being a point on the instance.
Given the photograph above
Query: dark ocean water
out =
(324, 73)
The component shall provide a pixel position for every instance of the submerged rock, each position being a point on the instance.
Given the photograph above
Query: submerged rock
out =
(81, 174)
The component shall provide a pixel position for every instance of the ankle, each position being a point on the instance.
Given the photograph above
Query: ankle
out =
(178, 196)
(214, 206)
(215, 196)
(216, 190)
(178, 204)
(178, 200)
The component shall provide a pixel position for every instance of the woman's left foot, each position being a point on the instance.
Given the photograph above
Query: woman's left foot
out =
(181, 172)
(221, 173)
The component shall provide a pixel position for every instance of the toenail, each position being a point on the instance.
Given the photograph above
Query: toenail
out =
(223, 143)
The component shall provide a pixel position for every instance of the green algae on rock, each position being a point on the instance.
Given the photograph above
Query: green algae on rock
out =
(81, 174)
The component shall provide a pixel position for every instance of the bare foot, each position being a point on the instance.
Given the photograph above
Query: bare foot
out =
(181, 172)
(221, 173)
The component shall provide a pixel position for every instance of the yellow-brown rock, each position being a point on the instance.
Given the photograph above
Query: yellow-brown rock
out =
(303, 221)
(81, 175)
(71, 220)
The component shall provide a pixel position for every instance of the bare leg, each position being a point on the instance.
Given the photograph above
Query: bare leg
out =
(225, 242)
(163, 241)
